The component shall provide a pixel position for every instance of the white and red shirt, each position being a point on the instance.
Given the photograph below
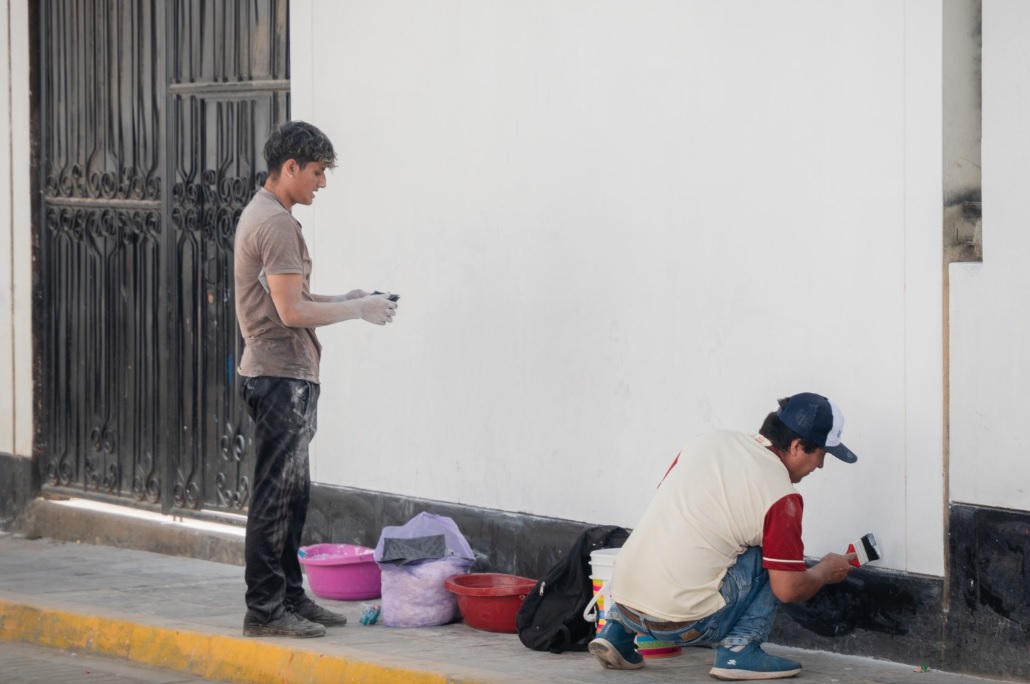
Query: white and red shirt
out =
(725, 493)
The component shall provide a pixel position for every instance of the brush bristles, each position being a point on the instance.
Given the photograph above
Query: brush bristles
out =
(872, 551)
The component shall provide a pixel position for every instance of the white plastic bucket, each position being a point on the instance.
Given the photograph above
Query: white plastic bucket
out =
(601, 564)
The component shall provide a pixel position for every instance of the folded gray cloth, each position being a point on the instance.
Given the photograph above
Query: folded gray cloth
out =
(401, 551)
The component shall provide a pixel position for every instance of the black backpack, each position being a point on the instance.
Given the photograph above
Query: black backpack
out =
(551, 617)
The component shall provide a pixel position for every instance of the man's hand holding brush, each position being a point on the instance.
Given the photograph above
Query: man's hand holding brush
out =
(836, 567)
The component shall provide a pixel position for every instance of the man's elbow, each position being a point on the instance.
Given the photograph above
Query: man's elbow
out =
(794, 587)
(290, 318)
(788, 594)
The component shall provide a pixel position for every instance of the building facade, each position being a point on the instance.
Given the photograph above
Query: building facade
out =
(613, 227)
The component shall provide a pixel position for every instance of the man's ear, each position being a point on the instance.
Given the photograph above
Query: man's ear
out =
(796, 447)
(290, 168)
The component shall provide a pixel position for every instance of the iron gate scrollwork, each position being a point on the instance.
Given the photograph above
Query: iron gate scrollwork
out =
(153, 115)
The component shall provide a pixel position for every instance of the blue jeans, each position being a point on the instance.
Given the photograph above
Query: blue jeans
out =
(746, 617)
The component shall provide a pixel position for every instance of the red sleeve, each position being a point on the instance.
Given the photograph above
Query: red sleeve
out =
(674, 462)
(782, 548)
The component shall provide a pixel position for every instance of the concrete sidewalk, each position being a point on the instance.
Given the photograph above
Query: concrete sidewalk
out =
(186, 614)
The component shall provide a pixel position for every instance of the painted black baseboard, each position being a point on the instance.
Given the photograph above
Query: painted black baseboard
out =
(515, 543)
(988, 626)
(984, 629)
(19, 484)
(875, 612)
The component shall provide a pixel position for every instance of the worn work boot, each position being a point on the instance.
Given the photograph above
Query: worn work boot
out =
(751, 663)
(289, 624)
(615, 648)
(309, 610)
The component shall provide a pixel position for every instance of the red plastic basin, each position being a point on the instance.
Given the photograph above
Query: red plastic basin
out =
(490, 600)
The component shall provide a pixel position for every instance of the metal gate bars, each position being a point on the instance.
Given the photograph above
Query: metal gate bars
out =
(152, 118)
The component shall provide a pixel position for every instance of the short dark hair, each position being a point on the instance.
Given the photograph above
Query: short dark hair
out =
(300, 141)
(780, 435)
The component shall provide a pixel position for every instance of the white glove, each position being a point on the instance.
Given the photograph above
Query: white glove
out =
(377, 309)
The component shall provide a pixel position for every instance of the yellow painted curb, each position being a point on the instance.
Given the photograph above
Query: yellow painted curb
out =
(211, 656)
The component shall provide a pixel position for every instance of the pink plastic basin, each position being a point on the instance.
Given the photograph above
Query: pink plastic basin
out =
(342, 571)
(490, 600)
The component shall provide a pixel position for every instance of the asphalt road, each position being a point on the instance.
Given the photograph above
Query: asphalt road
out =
(24, 663)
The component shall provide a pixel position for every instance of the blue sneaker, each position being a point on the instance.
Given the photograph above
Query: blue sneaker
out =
(615, 648)
(751, 663)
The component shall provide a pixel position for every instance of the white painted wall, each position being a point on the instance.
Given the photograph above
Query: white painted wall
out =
(7, 330)
(990, 302)
(618, 225)
(15, 234)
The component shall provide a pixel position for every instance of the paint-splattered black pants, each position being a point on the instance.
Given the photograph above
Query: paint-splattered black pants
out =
(284, 413)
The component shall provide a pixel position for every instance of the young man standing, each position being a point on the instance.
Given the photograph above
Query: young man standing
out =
(720, 545)
(278, 315)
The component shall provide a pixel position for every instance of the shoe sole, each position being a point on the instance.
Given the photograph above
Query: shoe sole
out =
(609, 656)
(749, 675)
(271, 631)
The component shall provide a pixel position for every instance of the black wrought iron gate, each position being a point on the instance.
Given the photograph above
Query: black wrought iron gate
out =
(153, 115)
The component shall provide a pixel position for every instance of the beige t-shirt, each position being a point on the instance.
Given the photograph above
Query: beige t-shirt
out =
(709, 509)
(269, 242)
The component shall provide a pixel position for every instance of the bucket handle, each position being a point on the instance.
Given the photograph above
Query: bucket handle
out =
(590, 612)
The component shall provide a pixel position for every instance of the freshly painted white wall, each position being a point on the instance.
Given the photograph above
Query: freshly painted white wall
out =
(7, 329)
(15, 234)
(990, 302)
(615, 226)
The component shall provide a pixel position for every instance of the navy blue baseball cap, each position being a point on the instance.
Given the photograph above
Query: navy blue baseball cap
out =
(818, 421)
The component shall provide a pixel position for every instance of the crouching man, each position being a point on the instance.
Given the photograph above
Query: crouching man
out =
(719, 547)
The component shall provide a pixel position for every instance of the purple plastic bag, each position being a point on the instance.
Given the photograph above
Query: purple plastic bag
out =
(413, 593)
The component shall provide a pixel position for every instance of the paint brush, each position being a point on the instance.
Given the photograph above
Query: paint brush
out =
(865, 550)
